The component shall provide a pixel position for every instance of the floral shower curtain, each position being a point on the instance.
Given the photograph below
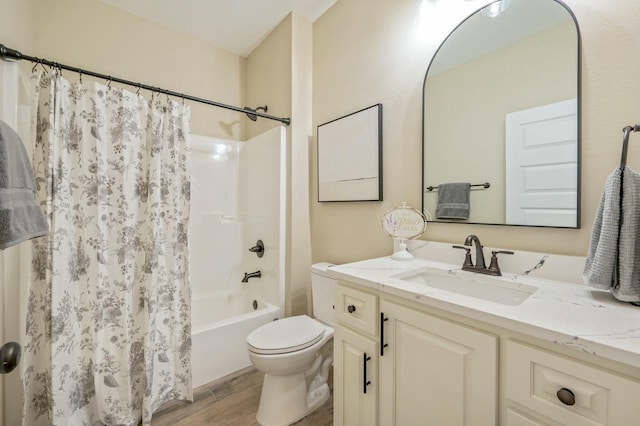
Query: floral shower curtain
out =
(108, 333)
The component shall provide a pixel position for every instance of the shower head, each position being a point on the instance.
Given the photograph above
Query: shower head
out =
(254, 117)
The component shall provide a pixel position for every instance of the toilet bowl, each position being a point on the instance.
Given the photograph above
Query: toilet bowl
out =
(295, 353)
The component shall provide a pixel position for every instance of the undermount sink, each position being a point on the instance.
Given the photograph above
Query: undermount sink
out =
(492, 289)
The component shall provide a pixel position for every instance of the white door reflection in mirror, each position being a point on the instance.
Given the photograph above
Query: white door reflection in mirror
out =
(541, 165)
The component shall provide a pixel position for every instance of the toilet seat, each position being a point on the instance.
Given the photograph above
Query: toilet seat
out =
(286, 335)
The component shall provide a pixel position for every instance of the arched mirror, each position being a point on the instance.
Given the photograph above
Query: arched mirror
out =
(501, 113)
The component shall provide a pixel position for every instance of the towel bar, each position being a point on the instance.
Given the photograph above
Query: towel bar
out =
(484, 185)
(625, 143)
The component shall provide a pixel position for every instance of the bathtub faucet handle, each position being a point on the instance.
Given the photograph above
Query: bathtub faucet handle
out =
(258, 249)
(256, 274)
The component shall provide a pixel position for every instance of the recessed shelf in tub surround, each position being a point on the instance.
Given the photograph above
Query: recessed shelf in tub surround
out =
(568, 314)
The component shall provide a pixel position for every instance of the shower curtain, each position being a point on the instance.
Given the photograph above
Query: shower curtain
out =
(108, 332)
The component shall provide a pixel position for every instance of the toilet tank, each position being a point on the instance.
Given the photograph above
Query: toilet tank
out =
(322, 293)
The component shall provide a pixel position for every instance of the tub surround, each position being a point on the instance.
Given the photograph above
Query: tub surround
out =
(225, 222)
(567, 314)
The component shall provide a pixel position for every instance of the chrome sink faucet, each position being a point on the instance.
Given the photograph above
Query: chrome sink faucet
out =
(480, 266)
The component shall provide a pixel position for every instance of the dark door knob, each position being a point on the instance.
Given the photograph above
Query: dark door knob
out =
(351, 309)
(9, 357)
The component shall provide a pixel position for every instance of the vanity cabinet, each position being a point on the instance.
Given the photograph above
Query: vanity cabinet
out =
(400, 362)
(420, 369)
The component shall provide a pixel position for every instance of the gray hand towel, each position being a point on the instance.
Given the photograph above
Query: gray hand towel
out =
(613, 260)
(20, 215)
(453, 200)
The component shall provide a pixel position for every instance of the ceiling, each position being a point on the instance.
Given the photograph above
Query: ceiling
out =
(234, 25)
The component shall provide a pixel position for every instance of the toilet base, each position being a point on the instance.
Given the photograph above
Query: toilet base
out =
(285, 400)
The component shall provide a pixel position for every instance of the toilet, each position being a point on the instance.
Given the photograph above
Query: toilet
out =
(296, 353)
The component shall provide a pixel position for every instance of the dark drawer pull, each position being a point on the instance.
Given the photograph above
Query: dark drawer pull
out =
(566, 396)
(365, 381)
(382, 343)
(351, 308)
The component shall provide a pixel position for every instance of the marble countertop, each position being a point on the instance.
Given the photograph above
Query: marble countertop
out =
(571, 315)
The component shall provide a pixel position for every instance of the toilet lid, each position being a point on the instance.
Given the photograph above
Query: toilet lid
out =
(286, 335)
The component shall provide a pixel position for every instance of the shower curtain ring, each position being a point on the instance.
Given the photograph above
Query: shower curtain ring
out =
(109, 83)
(80, 72)
(138, 91)
(42, 65)
(38, 60)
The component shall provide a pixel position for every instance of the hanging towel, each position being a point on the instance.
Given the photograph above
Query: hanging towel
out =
(613, 260)
(453, 200)
(20, 215)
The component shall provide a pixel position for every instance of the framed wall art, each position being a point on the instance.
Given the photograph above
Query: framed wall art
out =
(350, 157)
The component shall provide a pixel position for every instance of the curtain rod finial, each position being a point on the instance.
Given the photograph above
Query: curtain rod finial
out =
(9, 54)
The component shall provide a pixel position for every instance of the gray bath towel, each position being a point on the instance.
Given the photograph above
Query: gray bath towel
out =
(613, 260)
(453, 200)
(20, 215)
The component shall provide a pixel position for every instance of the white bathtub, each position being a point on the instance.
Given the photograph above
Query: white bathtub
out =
(220, 324)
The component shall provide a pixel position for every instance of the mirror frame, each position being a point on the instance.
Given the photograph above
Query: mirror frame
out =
(578, 134)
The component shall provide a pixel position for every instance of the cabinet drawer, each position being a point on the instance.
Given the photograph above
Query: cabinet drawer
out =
(534, 377)
(357, 309)
(516, 418)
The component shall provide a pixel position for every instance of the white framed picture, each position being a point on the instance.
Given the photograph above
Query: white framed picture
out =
(350, 157)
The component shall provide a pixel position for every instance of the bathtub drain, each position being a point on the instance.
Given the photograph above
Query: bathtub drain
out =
(255, 305)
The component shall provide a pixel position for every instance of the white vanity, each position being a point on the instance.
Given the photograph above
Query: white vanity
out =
(424, 343)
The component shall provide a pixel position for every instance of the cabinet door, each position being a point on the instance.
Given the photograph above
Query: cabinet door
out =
(435, 372)
(355, 401)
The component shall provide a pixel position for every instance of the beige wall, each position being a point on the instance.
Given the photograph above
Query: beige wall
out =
(92, 35)
(17, 25)
(278, 74)
(268, 77)
(472, 134)
(365, 52)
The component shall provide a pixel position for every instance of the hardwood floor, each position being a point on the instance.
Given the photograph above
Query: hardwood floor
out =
(230, 401)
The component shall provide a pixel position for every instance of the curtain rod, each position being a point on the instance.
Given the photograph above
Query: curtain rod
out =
(9, 54)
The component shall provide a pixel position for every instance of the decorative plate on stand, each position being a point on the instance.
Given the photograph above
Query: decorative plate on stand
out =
(403, 223)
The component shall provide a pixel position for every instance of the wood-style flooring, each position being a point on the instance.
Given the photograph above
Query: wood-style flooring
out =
(230, 401)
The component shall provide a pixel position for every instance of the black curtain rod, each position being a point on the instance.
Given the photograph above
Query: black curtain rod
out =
(13, 55)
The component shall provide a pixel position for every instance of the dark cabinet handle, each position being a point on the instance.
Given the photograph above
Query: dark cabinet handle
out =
(365, 382)
(382, 343)
(566, 396)
(351, 308)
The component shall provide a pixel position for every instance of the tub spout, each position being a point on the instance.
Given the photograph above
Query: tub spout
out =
(256, 274)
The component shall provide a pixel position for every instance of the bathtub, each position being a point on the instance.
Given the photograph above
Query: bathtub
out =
(220, 324)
